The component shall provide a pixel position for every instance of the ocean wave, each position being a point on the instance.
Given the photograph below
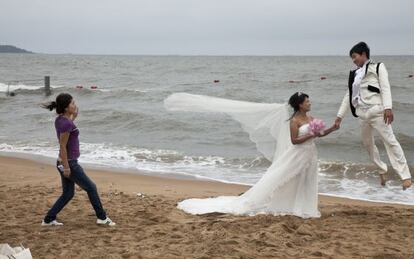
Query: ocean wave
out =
(403, 87)
(134, 158)
(352, 139)
(131, 157)
(117, 92)
(81, 90)
(403, 106)
(23, 88)
(405, 140)
(336, 178)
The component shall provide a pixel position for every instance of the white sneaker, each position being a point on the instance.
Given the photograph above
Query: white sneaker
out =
(52, 223)
(106, 221)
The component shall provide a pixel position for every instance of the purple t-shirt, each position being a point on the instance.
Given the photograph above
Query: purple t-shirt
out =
(62, 125)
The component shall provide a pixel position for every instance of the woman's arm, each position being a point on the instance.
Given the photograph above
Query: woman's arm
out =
(294, 132)
(63, 141)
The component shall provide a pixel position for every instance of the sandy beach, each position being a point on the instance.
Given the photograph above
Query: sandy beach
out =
(152, 227)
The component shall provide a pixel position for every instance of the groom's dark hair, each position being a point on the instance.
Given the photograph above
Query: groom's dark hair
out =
(360, 48)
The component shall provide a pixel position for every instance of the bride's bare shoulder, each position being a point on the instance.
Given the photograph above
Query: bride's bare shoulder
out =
(294, 122)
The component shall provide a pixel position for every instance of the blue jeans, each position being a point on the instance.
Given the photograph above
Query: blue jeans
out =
(79, 177)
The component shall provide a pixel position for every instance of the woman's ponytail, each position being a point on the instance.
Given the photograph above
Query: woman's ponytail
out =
(50, 105)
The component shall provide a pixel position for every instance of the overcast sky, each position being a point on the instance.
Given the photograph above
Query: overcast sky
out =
(208, 27)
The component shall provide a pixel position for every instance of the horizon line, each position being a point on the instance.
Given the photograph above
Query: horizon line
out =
(206, 55)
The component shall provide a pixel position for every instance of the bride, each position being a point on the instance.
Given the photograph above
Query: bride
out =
(290, 184)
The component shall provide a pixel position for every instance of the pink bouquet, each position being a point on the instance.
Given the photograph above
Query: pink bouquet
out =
(316, 126)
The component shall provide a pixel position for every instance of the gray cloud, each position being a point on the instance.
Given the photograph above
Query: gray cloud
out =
(226, 27)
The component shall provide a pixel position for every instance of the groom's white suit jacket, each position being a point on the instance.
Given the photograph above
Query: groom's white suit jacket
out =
(374, 90)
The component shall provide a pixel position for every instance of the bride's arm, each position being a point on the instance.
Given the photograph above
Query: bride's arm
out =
(328, 131)
(294, 133)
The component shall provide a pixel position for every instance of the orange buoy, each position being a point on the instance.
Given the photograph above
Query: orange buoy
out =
(79, 87)
(216, 81)
(323, 77)
(291, 81)
(94, 87)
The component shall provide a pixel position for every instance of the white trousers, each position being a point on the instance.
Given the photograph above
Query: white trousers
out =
(372, 120)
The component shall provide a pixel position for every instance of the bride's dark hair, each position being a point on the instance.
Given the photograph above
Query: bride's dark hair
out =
(296, 100)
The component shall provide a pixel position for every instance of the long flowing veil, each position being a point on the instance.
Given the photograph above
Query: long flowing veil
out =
(267, 124)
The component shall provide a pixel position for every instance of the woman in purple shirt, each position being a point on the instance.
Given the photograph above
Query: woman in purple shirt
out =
(70, 171)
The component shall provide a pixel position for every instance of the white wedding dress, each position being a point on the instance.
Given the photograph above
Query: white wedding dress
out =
(290, 184)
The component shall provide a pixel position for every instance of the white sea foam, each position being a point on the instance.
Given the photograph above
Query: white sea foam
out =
(14, 87)
(346, 181)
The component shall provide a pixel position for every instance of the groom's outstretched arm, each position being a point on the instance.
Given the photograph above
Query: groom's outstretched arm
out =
(343, 110)
(345, 106)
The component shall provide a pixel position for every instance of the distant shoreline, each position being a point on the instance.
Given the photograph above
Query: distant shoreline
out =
(13, 49)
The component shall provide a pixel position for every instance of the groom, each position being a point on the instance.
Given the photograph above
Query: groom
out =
(369, 98)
